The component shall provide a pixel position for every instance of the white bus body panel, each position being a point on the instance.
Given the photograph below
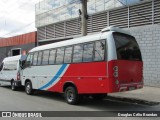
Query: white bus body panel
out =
(41, 75)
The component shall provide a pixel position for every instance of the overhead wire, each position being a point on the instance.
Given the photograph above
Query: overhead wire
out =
(58, 9)
(16, 30)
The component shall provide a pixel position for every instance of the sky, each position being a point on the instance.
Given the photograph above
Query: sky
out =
(17, 17)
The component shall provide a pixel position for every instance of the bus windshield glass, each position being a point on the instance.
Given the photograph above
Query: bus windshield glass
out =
(126, 47)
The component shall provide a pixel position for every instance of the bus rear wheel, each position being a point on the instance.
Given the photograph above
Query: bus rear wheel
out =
(71, 95)
(28, 88)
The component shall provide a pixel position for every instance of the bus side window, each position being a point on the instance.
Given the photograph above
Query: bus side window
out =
(88, 52)
(99, 53)
(77, 55)
(29, 60)
(52, 56)
(1, 67)
(68, 55)
(39, 58)
(45, 57)
(60, 55)
(35, 57)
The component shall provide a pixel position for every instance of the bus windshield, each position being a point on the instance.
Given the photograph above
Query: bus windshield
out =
(126, 47)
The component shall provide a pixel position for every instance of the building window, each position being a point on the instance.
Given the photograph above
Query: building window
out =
(16, 51)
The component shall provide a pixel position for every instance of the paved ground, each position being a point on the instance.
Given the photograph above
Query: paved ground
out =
(147, 93)
(44, 101)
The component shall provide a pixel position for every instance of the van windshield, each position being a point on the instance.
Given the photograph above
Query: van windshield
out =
(126, 47)
(10, 65)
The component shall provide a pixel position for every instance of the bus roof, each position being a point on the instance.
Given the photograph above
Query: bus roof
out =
(83, 39)
(67, 42)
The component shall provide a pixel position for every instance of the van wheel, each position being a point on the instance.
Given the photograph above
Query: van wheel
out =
(71, 95)
(13, 87)
(28, 88)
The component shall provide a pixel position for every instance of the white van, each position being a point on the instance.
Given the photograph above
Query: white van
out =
(10, 71)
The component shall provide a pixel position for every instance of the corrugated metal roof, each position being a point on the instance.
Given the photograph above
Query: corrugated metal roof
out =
(19, 40)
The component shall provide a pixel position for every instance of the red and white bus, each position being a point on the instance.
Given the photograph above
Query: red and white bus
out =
(92, 65)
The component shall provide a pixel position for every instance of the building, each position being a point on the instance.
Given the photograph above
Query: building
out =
(56, 21)
(17, 45)
(59, 19)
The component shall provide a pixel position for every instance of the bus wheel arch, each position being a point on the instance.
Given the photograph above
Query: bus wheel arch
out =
(28, 87)
(71, 93)
(67, 84)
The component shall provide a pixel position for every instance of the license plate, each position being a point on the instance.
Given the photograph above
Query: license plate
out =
(131, 88)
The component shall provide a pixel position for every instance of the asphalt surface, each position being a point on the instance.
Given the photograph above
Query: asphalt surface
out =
(47, 101)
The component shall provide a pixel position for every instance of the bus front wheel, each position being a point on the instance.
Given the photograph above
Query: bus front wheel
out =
(28, 88)
(71, 95)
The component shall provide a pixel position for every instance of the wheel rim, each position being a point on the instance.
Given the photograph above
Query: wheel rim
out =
(70, 96)
(28, 87)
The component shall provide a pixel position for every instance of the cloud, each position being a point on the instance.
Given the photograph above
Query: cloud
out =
(17, 17)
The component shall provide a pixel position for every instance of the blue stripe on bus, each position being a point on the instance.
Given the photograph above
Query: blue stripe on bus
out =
(55, 77)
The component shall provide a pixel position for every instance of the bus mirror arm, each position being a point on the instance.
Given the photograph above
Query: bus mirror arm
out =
(22, 65)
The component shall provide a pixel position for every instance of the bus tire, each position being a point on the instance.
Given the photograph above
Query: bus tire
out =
(28, 88)
(13, 87)
(71, 95)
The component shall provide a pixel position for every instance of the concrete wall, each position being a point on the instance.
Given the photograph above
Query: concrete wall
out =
(4, 51)
(148, 38)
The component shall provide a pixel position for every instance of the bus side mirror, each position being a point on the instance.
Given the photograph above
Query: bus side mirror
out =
(26, 64)
(23, 63)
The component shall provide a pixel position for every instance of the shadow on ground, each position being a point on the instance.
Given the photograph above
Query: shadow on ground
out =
(109, 103)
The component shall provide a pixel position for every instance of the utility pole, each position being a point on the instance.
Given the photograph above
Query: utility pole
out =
(84, 17)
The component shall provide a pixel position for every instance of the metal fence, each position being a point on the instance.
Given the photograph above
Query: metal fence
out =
(145, 13)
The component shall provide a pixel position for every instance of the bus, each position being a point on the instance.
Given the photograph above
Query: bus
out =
(10, 71)
(91, 65)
